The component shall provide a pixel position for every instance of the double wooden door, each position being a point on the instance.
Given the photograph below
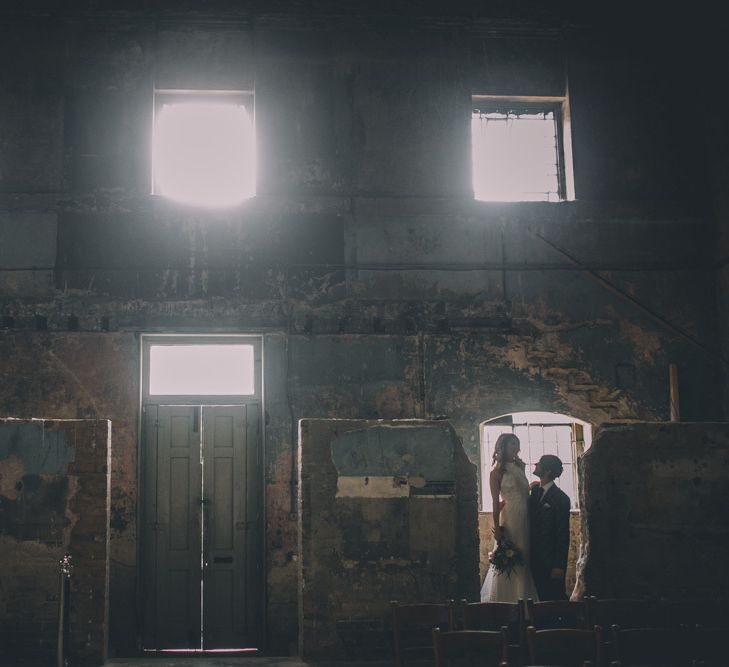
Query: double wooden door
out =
(202, 555)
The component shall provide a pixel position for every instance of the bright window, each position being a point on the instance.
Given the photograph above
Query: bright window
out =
(201, 370)
(204, 148)
(539, 433)
(518, 151)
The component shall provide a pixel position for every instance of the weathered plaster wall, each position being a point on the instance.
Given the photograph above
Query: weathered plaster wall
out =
(716, 145)
(387, 511)
(654, 497)
(54, 499)
(79, 376)
(383, 290)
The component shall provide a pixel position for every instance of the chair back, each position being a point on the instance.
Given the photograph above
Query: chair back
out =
(706, 613)
(564, 646)
(557, 614)
(412, 628)
(494, 616)
(627, 613)
(470, 648)
(651, 646)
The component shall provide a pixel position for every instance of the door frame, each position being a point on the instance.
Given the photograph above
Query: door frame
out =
(145, 341)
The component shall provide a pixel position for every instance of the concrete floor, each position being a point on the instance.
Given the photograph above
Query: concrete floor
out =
(205, 661)
(210, 661)
(237, 662)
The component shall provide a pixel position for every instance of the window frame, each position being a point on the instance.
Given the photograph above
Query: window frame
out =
(577, 444)
(151, 340)
(162, 96)
(559, 105)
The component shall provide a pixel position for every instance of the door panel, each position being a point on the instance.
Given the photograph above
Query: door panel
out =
(173, 521)
(231, 479)
(202, 525)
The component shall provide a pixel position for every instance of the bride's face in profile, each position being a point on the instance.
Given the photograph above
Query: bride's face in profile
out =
(511, 450)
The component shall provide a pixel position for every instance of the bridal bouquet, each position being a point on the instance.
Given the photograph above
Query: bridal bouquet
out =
(505, 557)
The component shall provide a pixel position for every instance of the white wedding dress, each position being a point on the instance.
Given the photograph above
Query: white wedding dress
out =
(515, 523)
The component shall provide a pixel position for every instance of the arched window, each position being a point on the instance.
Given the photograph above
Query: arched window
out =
(539, 433)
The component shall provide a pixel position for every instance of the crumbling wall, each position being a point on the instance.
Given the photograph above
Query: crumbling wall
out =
(384, 290)
(387, 510)
(654, 498)
(54, 499)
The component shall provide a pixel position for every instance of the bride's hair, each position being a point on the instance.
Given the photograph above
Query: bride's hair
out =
(500, 449)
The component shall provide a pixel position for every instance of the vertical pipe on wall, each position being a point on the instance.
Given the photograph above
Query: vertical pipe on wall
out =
(66, 568)
(422, 408)
(673, 392)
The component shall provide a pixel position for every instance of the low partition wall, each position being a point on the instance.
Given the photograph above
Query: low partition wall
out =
(655, 499)
(387, 510)
(54, 499)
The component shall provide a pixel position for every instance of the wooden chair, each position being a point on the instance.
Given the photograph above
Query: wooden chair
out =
(412, 628)
(706, 613)
(565, 646)
(555, 614)
(627, 613)
(494, 616)
(651, 647)
(475, 648)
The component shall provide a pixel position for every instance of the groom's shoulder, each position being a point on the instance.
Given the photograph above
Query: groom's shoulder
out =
(561, 494)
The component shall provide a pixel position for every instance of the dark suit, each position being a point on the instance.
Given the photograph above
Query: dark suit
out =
(549, 540)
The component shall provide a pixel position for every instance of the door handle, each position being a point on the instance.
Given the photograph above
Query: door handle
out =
(204, 504)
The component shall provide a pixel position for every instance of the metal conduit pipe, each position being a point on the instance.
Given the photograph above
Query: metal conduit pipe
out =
(64, 597)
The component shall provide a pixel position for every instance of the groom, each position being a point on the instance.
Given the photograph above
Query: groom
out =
(549, 521)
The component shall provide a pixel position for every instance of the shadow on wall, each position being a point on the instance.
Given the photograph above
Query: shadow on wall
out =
(649, 489)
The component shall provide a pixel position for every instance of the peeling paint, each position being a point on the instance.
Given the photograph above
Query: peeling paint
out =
(647, 343)
(387, 451)
(372, 487)
(11, 472)
(39, 452)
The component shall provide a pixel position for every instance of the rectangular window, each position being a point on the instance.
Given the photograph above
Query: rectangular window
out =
(521, 149)
(204, 147)
(201, 370)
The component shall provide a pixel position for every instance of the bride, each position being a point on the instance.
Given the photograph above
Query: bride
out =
(511, 521)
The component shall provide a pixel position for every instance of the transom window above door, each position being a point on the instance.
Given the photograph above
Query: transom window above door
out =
(201, 369)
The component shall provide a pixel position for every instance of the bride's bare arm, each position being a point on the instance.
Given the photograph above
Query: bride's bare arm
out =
(495, 485)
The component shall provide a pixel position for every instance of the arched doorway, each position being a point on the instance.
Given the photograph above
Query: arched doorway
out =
(539, 433)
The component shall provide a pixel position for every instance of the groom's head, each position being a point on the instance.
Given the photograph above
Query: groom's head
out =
(548, 466)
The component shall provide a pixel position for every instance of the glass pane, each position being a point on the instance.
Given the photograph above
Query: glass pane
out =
(223, 370)
(550, 440)
(204, 153)
(537, 442)
(564, 443)
(514, 157)
(566, 482)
